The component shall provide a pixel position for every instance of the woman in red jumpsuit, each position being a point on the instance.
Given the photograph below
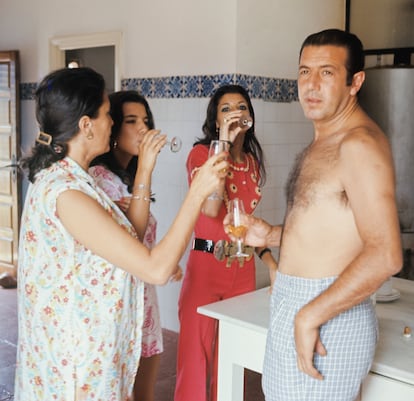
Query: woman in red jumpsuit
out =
(206, 278)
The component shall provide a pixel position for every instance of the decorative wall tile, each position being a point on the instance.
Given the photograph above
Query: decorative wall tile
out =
(27, 90)
(268, 89)
(196, 86)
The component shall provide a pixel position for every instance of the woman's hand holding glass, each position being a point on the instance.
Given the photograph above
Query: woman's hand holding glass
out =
(217, 147)
(233, 123)
(211, 175)
(150, 146)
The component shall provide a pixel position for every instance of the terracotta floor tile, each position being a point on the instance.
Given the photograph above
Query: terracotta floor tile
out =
(166, 378)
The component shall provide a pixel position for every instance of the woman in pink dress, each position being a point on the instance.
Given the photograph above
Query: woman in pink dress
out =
(131, 158)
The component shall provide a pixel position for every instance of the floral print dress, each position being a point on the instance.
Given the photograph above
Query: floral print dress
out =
(79, 316)
(152, 343)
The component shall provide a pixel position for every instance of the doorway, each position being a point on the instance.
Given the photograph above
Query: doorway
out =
(100, 51)
(101, 59)
(10, 177)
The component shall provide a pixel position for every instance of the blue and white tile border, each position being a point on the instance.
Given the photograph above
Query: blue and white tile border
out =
(197, 86)
(27, 91)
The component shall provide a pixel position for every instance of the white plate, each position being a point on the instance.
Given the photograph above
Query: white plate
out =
(395, 294)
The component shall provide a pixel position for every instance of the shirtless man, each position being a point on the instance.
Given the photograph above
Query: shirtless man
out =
(340, 240)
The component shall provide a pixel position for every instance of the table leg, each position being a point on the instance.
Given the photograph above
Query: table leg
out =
(239, 348)
(230, 375)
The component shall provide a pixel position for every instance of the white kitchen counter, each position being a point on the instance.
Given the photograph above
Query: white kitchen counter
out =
(394, 356)
(243, 324)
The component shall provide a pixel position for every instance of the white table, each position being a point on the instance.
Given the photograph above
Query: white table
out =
(243, 324)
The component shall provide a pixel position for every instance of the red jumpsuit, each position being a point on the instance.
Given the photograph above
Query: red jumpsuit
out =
(208, 280)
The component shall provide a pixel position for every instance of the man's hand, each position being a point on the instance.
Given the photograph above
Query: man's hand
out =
(307, 342)
(257, 230)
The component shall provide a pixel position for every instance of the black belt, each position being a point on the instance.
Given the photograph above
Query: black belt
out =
(205, 245)
(222, 249)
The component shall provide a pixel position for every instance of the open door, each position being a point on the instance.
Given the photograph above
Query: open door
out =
(10, 177)
(91, 45)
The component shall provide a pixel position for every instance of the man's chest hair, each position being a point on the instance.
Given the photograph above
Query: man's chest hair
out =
(315, 177)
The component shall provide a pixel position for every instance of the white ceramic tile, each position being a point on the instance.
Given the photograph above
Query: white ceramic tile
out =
(159, 108)
(176, 110)
(281, 137)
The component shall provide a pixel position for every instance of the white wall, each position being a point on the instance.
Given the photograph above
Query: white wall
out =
(185, 37)
(180, 37)
(161, 37)
(283, 132)
(396, 15)
(270, 33)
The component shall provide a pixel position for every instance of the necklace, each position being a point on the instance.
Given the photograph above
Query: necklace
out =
(253, 194)
(243, 169)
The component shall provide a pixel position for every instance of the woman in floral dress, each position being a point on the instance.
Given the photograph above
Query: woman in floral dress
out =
(80, 291)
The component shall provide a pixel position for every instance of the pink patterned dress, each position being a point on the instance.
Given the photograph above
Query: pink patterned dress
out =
(79, 316)
(152, 343)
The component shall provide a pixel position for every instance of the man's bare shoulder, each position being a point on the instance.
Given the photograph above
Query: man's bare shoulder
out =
(365, 157)
(364, 140)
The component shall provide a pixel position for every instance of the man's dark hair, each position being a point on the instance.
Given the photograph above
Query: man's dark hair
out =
(336, 37)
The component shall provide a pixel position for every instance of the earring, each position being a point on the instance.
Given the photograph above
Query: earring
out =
(115, 144)
(90, 135)
(57, 148)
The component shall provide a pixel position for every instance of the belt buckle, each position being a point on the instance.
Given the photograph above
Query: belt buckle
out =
(210, 245)
(224, 249)
(221, 250)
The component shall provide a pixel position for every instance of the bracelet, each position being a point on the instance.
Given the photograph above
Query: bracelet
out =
(215, 196)
(138, 197)
(141, 186)
(230, 143)
(263, 251)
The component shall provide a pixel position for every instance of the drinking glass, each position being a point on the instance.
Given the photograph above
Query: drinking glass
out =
(175, 144)
(245, 121)
(216, 147)
(236, 210)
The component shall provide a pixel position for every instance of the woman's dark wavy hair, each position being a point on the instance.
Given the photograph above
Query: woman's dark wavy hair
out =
(335, 37)
(250, 144)
(62, 98)
(117, 100)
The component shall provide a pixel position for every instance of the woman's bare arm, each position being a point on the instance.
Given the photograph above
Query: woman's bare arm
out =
(93, 227)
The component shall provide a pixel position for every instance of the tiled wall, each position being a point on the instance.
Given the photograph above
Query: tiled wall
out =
(269, 89)
(174, 87)
(179, 106)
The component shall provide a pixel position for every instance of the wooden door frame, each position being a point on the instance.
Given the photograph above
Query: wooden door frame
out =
(13, 129)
